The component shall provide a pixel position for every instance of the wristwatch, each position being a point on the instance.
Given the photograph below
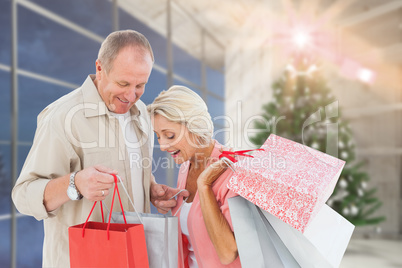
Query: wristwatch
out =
(72, 191)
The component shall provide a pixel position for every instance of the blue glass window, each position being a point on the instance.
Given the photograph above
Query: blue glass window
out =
(186, 65)
(29, 231)
(34, 96)
(221, 134)
(5, 208)
(29, 242)
(156, 83)
(158, 42)
(216, 82)
(94, 15)
(5, 227)
(5, 30)
(216, 107)
(53, 50)
(180, 83)
(5, 105)
(5, 184)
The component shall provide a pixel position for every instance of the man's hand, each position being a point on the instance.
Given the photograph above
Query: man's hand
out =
(161, 197)
(94, 183)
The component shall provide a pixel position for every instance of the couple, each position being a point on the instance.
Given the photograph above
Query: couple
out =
(88, 134)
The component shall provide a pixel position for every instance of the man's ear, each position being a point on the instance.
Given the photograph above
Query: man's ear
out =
(99, 68)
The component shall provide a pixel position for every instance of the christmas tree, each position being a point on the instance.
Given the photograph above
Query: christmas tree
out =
(304, 110)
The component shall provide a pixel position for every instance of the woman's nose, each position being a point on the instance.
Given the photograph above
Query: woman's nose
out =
(163, 146)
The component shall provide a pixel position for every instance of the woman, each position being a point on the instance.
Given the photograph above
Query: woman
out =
(184, 129)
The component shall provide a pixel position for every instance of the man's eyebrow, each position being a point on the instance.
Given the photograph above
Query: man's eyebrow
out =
(122, 82)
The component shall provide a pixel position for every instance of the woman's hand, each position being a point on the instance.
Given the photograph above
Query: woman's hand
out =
(216, 224)
(211, 173)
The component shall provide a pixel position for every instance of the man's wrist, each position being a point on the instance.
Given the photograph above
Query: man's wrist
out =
(72, 190)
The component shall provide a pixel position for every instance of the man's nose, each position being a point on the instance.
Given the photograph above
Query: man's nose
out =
(131, 94)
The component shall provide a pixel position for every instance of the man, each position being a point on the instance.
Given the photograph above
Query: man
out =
(99, 129)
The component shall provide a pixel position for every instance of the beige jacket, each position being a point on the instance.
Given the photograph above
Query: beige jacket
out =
(73, 133)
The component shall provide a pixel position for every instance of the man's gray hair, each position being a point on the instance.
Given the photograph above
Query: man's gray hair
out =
(118, 40)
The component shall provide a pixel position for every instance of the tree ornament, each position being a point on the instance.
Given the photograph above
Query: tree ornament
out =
(346, 211)
(341, 145)
(315, 145)
(344, 155)
(360, 192)
(343, 183)
(354, 210)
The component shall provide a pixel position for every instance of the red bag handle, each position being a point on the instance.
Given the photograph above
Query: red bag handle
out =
(116, 189)
(231, 155)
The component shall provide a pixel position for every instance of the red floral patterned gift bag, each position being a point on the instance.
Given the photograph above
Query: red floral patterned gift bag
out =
(287, 179)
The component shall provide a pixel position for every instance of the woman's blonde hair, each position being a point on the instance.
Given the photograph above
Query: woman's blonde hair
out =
(180, 104)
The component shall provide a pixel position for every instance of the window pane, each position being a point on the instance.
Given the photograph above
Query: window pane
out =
(94, 15)
(5, 189)
(5, 182)
(48, 48)
(163, 161)
(29, 231)
(215, 107)
(158, 42)
(222, 134)
(23, 151)
(29, 242)
(5, 243)
(160, 164)
(5, 106)
(156, 83)
(5, 30)
(34, 96)
(216, 82)
(180, 83)
(186, 65)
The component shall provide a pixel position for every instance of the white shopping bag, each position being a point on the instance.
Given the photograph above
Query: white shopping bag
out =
(161, 234)
(323, 242)
(257, 243)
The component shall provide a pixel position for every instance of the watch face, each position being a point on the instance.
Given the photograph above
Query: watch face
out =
(72, 193)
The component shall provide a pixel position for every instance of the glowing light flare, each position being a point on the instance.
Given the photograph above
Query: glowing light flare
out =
(290, 68)
(301, 39)
(354, 70)
(366, 76)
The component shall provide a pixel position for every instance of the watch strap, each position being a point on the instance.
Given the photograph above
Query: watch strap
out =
(72, 184)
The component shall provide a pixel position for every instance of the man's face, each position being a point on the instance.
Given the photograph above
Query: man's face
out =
(126, 80)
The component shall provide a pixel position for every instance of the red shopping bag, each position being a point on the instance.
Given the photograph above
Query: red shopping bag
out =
(99, 244)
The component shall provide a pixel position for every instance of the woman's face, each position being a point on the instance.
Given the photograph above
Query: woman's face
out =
(175, 139)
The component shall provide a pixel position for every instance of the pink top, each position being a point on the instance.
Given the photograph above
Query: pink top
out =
(204, 249)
